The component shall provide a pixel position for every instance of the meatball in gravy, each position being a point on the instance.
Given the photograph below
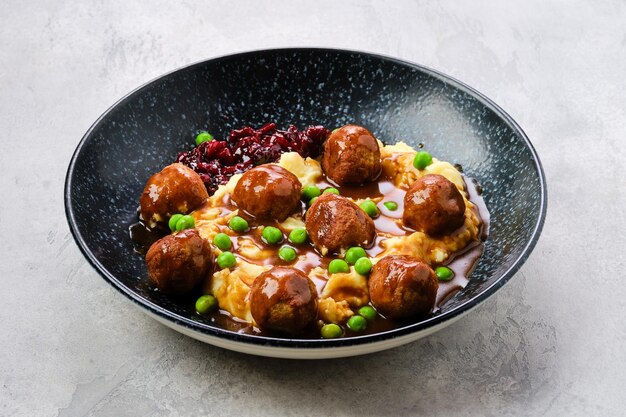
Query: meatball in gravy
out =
(402, 286)
(178, 263)
(434, 205)
(335, 223)
(284, 300)
(268, 192)
(351, 156)
(176, 189)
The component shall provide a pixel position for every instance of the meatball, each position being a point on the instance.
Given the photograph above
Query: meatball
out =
(402, 286)
(178, 263)
(176, 189)
(335, 223)
(268, 192)
(351, 156)
(283, 299)
(434, 205)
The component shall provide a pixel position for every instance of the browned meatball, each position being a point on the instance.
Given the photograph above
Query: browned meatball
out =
(176, 189)
(402, 286)
(177, 263)
(335, 223)
(434, 205)
(351, 156)
(268, 192)
(283, 299)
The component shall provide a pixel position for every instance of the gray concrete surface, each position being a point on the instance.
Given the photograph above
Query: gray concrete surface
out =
(552, 342)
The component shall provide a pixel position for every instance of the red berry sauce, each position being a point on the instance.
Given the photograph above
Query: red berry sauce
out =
(218, 160)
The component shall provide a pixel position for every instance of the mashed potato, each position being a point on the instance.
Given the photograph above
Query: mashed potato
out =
(342, 293)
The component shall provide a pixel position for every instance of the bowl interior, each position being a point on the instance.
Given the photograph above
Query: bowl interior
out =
(396, 100)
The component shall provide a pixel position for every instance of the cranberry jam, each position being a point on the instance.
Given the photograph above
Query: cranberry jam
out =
(218, 160)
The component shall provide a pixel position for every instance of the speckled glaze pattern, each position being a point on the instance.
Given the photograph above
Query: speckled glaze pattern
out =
(395, 100)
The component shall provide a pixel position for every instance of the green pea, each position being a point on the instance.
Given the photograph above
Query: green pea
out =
(357, 323)
(173, 220)
(331, 190)
(310, 191)
(298, 236)
(391, 205)
(287, 253)
(222, 241)
(331, 331)
(444, 273)
(238, 224)
(354, 254)
(206, 304)
(368, 312)
(369, 207)
(226, 260)
(311, 201)
(363, 266)
(422, 160)
(272, 235)
(185, 222)
(203, 137)
(338, 265)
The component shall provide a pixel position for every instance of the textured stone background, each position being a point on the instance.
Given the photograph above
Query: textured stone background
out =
(551, 342)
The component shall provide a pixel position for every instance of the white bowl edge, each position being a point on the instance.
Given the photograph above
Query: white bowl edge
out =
(300, 352)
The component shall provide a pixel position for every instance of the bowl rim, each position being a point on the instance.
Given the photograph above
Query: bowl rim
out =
(282, 342)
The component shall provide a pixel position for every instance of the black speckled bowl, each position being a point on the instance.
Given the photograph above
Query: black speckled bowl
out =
(396, 100)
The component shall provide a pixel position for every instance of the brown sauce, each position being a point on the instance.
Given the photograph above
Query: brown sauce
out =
(143, 237)
(387, 225)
